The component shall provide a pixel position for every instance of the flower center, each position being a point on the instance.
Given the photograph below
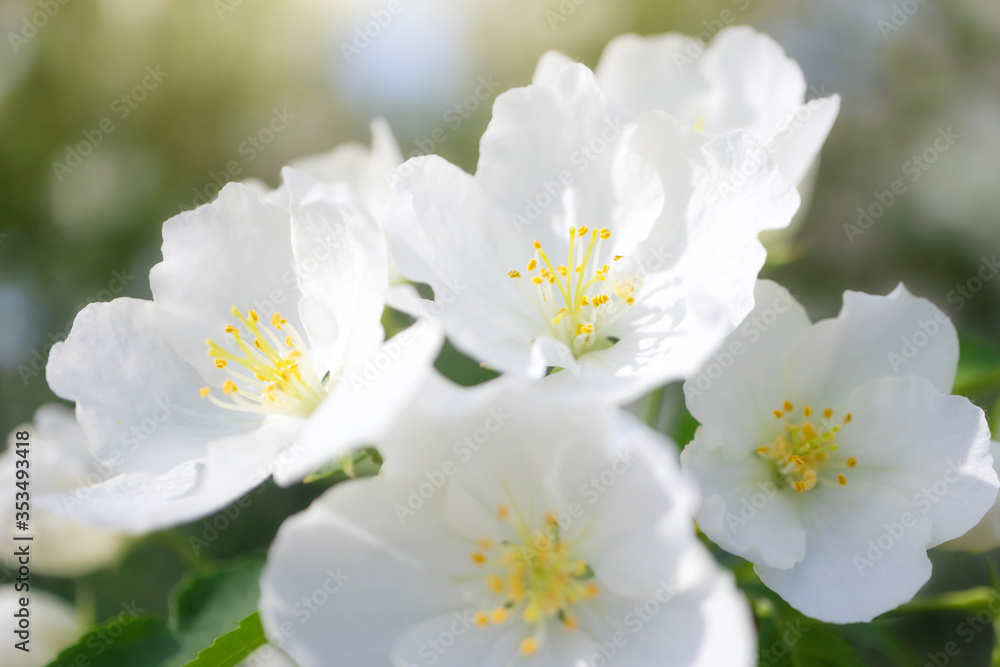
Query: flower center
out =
(579, 299)
(537, 579)
(802, 451)
(277, 368)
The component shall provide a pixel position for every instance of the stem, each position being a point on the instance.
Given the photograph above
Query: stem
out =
(970, 600)
(85, 602)
(182, 549)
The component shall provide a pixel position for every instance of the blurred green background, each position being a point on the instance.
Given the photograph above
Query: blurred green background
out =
(172, 99)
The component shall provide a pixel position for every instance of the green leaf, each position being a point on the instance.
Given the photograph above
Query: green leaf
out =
(978, 365)
(206, 605)
(232, 647)
(132, 640)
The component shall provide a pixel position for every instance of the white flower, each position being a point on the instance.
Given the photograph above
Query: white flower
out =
(53, 627)
(985, 535)
(506, 529)
(832, 455)
(293, 373)
(743, 80)
(619, 249)
(56, 460)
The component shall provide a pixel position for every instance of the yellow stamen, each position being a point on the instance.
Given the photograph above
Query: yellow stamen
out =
(851, 462)
(494, 583)
(514, 274)
(205, 391)
(529, 646)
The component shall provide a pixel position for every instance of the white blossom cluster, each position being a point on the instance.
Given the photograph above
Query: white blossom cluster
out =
(606, 245)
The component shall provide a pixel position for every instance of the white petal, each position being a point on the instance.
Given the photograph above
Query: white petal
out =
(743, 511)
(705, 246)
(800, 137)
(235, 251)
(141, 502)
(136, 399)
(430, 429)
(934, 448)
(753, 84)
(352, 549)
(985, 536)
(549, 66)
(450, 640)
(646, 73)
(874, 336)
(636, 483)
(566, 137)
(447, 232)
(736, 392)
(365, 170)
(704, 623)
(60, 461)
(366, 400)
(340, 263)
(866, 553)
